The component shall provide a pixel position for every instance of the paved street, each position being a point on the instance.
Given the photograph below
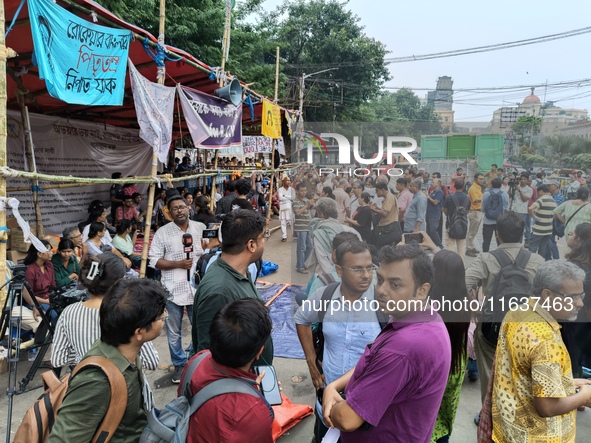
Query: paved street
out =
(293, 374)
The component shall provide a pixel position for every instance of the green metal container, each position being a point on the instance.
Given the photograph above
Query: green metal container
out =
(433, 147)
(490, 148)
(461, 146)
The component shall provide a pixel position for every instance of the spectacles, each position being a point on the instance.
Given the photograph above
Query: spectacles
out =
(360, 271)
(163, 317)
(264, 238)
(178, 208)
(573, 296)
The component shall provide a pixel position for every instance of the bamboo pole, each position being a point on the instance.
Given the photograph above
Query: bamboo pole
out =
(30, 153)
(152, 190)
(270, 207)
(4, 54)
(225, 48)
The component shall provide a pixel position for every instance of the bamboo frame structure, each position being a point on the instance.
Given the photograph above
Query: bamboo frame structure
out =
(4, 54)
(30, 154)
(152, 190)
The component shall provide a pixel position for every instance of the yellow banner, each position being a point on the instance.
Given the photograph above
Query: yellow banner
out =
(271, 120)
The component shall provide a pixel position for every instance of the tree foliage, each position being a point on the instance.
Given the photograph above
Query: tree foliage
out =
(526, 127)
(319, 35)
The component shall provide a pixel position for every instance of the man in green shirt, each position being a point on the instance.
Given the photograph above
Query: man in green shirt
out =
(228, 279)
(132, 313)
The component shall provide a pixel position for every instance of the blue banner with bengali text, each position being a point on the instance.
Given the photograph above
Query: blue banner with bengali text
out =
(82, 63)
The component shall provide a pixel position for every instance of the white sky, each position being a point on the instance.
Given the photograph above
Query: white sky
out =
(429, 26)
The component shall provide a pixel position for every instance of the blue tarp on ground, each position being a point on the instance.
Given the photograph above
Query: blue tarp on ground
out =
(285, 337)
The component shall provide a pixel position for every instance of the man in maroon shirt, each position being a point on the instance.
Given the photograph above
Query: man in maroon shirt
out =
(238, 334)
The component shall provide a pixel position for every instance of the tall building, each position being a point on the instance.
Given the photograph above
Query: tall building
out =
(442, 101)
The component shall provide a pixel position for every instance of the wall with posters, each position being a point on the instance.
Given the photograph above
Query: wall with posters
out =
(72, 147)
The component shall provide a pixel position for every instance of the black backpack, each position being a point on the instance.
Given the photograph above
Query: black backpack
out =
(202, 264)
(511, 285)
(318, 336)
(494, 206)
(205, 258)
(458, 223)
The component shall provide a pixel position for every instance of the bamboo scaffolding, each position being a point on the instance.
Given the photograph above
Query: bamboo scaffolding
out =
(270, 207)
(30, 153)
(4, 54)
(152, 190)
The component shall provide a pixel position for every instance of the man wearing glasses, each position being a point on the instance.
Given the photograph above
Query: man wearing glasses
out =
(228, 278)
(348, 322)
(534, 395)
(167, 253)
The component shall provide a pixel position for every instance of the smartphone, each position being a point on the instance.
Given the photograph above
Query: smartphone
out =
(210, 233)
(269, 384)
(414, 237)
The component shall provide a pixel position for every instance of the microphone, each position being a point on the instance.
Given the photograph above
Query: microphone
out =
(188, 247)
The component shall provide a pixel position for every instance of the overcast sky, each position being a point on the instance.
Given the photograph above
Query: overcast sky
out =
(430, 26)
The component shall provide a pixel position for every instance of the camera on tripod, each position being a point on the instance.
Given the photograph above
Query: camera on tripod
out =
(60, 298)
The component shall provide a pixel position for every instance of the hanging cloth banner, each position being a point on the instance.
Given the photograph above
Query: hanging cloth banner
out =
(271, 120)
(154, 106)
(213, 123)
(82, 63)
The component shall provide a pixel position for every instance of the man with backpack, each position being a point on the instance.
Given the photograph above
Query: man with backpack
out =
(494, 203)
(132, 313)
(498, 283)
(346, 330)
(475, 214)
(456, 208)
(238, 334)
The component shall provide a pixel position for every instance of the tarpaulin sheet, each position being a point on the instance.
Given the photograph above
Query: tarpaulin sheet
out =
(285, 337)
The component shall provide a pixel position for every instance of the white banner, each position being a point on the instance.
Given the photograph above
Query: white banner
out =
(72, 147)
(154, 106)
(256, 144)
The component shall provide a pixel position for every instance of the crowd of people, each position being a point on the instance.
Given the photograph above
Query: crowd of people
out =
(395, 245)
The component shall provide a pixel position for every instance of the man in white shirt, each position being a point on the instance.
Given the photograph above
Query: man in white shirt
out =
(167, 253)
(286, 197)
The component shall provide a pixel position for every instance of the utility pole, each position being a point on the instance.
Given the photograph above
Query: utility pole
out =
(300, 127)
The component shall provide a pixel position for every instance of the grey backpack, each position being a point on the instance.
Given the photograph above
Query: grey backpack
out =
(171, 424)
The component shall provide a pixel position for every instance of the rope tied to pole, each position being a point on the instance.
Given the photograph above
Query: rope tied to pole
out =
(8, 172)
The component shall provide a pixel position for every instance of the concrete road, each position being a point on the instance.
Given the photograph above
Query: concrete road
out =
(292, 373)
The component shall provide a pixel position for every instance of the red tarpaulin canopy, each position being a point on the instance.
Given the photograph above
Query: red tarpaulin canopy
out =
(39, 100)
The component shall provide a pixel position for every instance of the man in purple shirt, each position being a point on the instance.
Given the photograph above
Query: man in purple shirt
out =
(394, 392)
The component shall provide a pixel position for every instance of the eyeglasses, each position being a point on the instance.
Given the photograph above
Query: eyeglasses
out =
(573, 296)
(178, 208)
(359, 270)
(163, 317)
(263, 237)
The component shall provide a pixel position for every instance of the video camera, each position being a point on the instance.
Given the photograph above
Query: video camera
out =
(59, 298)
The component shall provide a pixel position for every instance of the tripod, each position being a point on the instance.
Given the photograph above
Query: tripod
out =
(13, 325)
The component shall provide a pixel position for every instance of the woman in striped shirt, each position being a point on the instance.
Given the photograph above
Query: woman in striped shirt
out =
(79, 324)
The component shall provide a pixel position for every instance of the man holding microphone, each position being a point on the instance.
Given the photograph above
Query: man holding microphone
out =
(175, 254)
